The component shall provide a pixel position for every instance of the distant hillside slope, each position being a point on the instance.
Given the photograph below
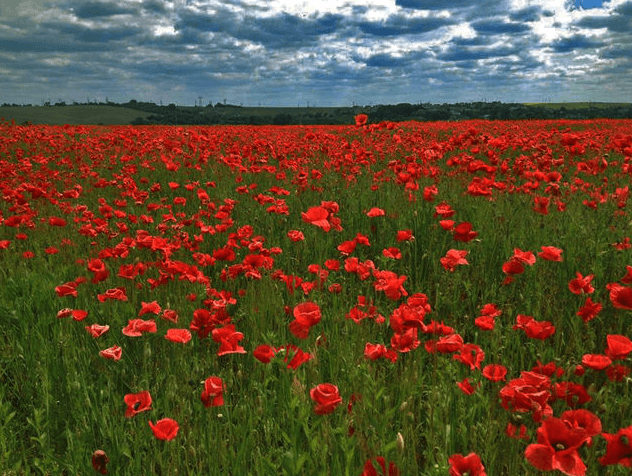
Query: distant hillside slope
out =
(82, 114)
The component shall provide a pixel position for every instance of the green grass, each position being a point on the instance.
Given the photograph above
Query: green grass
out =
(576, 105)
(59, 115)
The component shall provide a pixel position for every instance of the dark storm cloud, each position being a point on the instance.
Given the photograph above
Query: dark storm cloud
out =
(89, 10)
(529, 14)
(433, 4)
(397, 25)
(576, 42)
(472, 54)
(278, 31)
(499, 27)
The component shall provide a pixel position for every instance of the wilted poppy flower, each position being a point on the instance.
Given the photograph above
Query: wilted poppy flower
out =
(326, 397)
(112, 353)
(165, 429)
(137, 402)
(100, 461)
(213, 393)
(469, 465)
(178, 335)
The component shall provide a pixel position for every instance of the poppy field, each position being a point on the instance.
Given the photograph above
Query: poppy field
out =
(443, 298)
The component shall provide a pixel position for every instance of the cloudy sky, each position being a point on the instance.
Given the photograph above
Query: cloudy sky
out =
(322, 53)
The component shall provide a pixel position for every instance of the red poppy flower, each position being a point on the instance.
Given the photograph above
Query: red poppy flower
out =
(306, 315)
(466, 387)
(453, 258)
(361, 119)
(513, 267)
(471, 355)
(583, 420)
(589, 310)
(494, 372)
(67, 289)
(178, 335)
(512, 431)
(369, 467)
(539, 329)
(136, 327)
(213, 393)
(619, 448)
(100, 461)
(170, 315)
(318, 216)
(112, 353)
(392, 252)
(581, 284)
(96, 330)
(299, 357)
(596, 361)
(98, 269)
(137, 402)
(463, 232)
(449, 344)
(264, 353)
(165, 429)
(295, 235)
(228, 339)
(526, 257)
(627, 279)
(149, 308)
(557, 448)
(469, 465)
(444, 210)
(326, 397)
(404, 235)
(551, 253)
(117, 294)
(620, 296)
(619, 346)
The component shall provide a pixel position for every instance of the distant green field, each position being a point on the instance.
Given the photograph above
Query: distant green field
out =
(59, 115)
(576, 105)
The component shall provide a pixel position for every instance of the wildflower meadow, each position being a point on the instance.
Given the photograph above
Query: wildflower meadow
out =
(449, 298)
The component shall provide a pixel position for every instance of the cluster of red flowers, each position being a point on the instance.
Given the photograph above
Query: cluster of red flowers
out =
(152, 235)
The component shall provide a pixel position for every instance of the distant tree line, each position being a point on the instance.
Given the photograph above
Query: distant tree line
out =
(230, 114)
(223, 113)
